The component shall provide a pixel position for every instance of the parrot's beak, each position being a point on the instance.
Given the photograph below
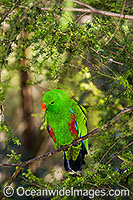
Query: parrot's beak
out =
(44, 108)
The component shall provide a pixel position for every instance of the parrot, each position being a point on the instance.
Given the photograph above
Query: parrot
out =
(65, 120)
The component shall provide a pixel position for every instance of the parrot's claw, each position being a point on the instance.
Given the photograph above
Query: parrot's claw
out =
(73, 173)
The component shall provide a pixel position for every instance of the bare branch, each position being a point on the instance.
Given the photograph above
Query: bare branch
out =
(94, 11)
(84, 4)
(14, 175)
(90, 10)
(101, 12)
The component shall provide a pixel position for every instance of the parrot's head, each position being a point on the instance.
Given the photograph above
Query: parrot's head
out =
(55, 100)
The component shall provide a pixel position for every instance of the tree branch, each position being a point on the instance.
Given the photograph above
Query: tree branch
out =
(106, 13)
(89, 10)
(93, 11)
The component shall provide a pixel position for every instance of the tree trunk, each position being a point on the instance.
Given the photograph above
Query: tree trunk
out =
(28, 136)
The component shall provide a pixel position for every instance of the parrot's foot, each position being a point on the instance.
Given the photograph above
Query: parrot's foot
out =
(72, 172)
(77, 173)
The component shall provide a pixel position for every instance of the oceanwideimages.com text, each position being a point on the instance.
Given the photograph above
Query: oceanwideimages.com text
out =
(20, 191)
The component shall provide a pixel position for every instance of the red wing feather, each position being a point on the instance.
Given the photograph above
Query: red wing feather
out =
(73, 126)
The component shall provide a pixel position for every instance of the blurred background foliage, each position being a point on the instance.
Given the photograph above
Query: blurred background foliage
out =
(87, 55)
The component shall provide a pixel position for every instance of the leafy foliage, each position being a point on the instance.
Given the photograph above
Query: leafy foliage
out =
(91, 60)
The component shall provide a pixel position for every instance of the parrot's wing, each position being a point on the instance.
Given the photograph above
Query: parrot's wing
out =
(81, 120)
(49, 129)
(73, 127)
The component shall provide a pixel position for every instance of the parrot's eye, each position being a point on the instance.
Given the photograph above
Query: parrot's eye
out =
(52, 102)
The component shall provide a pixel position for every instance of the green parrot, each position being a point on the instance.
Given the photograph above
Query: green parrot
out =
(66, 121)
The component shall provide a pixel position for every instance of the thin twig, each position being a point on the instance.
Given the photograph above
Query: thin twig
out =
(84, 4)
(111, 148)
(9, 11)
(119, 63)
(124, 188)
(119, 152)
(125, 160)
(39, 186)
(79, 17)
(97, 68)
(117, 27)
(116, 42)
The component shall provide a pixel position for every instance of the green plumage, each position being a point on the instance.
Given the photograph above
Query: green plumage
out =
(60, 114)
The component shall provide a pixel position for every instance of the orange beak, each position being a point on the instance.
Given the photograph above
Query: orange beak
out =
(44, 108)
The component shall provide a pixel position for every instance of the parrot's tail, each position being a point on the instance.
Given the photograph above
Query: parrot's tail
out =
(75, 165)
